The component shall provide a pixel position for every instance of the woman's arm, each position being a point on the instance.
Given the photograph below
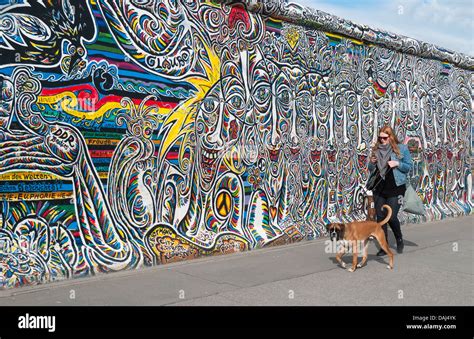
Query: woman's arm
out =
(406, 162)
(372, 161)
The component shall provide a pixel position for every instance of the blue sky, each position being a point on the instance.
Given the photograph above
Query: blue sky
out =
(446, 23)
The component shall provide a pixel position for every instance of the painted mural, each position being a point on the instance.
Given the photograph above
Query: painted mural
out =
(141, 132)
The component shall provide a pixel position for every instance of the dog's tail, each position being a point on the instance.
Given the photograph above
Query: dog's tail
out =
(387, 218)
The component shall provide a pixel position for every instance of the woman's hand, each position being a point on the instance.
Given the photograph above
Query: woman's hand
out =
(393, 163)
(373, 158)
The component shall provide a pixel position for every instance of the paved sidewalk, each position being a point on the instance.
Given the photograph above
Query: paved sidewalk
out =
(429, 272)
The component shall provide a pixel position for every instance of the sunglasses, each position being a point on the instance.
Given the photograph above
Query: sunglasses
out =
(383, 138)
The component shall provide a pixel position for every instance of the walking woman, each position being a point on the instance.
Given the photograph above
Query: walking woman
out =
(394, 161)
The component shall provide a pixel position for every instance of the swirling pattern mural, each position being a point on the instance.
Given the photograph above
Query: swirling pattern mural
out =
(137, 132)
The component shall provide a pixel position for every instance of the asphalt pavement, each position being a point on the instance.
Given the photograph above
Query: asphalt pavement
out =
(436, 268)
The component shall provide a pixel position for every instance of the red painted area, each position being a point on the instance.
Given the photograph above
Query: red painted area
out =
(238, 13)
(101, 153)
(88, 98)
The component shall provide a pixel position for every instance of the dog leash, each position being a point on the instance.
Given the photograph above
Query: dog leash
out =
(378, 182)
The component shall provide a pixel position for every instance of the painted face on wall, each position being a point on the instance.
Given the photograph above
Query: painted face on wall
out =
(267, 110)
(277, 127)
(272, 127)
(266, 80)
(218, 125)
(295, 83)
(250, 86)
(256, 83)
(239, 101)
(261, 94)
(319, 116)
(304, 119)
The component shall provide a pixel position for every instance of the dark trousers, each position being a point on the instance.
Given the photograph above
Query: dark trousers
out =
(395, 204)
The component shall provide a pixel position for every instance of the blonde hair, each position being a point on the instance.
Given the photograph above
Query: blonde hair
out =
(392, 137)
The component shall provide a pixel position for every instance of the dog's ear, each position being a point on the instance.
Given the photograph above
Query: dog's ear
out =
(342, 227)
(328, 226)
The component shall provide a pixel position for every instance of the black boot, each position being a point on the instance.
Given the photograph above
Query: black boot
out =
(400, 246)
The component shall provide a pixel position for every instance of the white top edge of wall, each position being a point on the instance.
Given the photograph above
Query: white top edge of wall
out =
(313, 18)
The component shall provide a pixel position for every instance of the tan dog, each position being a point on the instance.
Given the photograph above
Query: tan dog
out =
(357, 231)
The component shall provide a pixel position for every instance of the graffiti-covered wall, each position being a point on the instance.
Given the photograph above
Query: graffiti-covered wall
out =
(135, 133)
